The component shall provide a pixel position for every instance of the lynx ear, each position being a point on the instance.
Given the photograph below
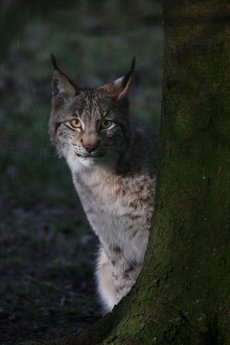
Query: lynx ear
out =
(120, 86)
(61, 84)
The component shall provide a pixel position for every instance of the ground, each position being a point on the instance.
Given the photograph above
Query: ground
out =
(47, 285)
(47, 249)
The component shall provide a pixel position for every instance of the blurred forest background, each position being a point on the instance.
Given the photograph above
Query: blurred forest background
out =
(47, 249)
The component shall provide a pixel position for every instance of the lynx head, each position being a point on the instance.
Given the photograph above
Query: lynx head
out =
(90, 126)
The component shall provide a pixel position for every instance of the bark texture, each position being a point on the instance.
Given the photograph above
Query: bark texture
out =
(182, 295)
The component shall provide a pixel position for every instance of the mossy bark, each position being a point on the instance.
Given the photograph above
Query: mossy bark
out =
(182, 295)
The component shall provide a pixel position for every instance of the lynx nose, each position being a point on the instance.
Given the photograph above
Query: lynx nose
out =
(90, 145)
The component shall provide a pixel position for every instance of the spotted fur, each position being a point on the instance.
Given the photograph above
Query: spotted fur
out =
(113, 171)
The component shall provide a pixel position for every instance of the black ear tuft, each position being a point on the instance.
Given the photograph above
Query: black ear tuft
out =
(133, 63)
(130, 72)
(54, 61)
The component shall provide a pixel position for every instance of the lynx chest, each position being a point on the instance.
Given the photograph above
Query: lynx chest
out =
(115, 211)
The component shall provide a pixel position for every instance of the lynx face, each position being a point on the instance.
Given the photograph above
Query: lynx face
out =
(89, 126)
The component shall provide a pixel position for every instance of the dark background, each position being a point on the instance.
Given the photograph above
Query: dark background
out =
(47, 249)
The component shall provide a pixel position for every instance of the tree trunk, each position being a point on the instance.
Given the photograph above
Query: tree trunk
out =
(182, 295)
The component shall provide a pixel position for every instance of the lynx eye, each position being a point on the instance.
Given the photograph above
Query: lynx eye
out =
(75, 123)
(105, 124)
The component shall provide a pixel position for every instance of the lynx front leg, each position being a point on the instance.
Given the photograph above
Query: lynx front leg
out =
(115, 277)
(106, 288)
(124, 273)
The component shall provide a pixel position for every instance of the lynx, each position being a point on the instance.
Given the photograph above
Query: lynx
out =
(112, 158)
